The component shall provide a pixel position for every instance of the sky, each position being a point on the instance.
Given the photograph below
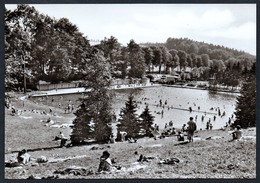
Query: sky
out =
(230, 25)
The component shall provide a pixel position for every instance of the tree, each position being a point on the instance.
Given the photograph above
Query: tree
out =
(19, 25)
(175, 58)
(136, 60)
(182, 46)
(196, 72)
(182, 59)
(231, 76)
(205, 60)
(15, 53)
(173, 52)
(217, 71)
(128, 120)
(204, 49)
(48, 49)
(189, 61)
(157, 59)
(122, 64)
(219, 54)
(43, 44)
(193, 48)
(96, 106)
(62, 53)
(111, 48)
(80, 54)
(83, 128)
(204, 73)
(166, 58)
(148, 56)
(199, 61)
(246, 102)
(230, 63)
(170, 43)
(246, 61)
(59, 65)
(147, 120)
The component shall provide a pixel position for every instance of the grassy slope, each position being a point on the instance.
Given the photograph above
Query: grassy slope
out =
(200, 159)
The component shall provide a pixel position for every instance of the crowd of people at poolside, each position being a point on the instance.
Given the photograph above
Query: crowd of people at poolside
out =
(211, 115)
(187, 129)
(168, 130)
(70, 108)
(215, 112)
(106, 164)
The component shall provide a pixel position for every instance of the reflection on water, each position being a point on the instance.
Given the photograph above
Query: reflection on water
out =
(179, 100)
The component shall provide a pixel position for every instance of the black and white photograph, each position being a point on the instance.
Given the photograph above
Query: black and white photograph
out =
(130, 91)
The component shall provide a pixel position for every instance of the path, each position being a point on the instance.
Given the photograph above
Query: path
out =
(82, 89)
(203, 88)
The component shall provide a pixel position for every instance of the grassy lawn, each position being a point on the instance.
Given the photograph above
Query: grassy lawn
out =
(214, 158)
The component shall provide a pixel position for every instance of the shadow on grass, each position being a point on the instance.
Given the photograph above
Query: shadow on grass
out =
(69, 145)
(38, 149)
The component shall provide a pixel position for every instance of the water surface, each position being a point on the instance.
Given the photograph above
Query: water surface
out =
(179, 100)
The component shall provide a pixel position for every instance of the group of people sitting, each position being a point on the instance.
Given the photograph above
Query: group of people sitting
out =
(122, 138)
(106, 164)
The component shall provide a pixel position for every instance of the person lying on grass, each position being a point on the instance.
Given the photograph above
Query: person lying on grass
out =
(143, 158)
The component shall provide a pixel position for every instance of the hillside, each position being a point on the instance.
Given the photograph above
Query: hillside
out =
(212, 158)
(198, 47)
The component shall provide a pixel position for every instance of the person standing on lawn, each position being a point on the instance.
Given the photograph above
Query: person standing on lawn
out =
(191, 129)
(62, 139)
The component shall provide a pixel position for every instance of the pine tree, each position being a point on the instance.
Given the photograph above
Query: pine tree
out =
(246, 102)
(82, 128)
(128, 120)
(146, 120)
(96, 110)
(103, 129)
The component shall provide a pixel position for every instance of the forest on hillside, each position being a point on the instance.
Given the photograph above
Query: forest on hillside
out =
(43, 48)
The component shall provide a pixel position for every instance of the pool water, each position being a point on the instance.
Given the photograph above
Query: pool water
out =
(179, 100)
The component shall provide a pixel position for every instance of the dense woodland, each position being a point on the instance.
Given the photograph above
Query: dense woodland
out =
(39, 47)
(42, 48)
